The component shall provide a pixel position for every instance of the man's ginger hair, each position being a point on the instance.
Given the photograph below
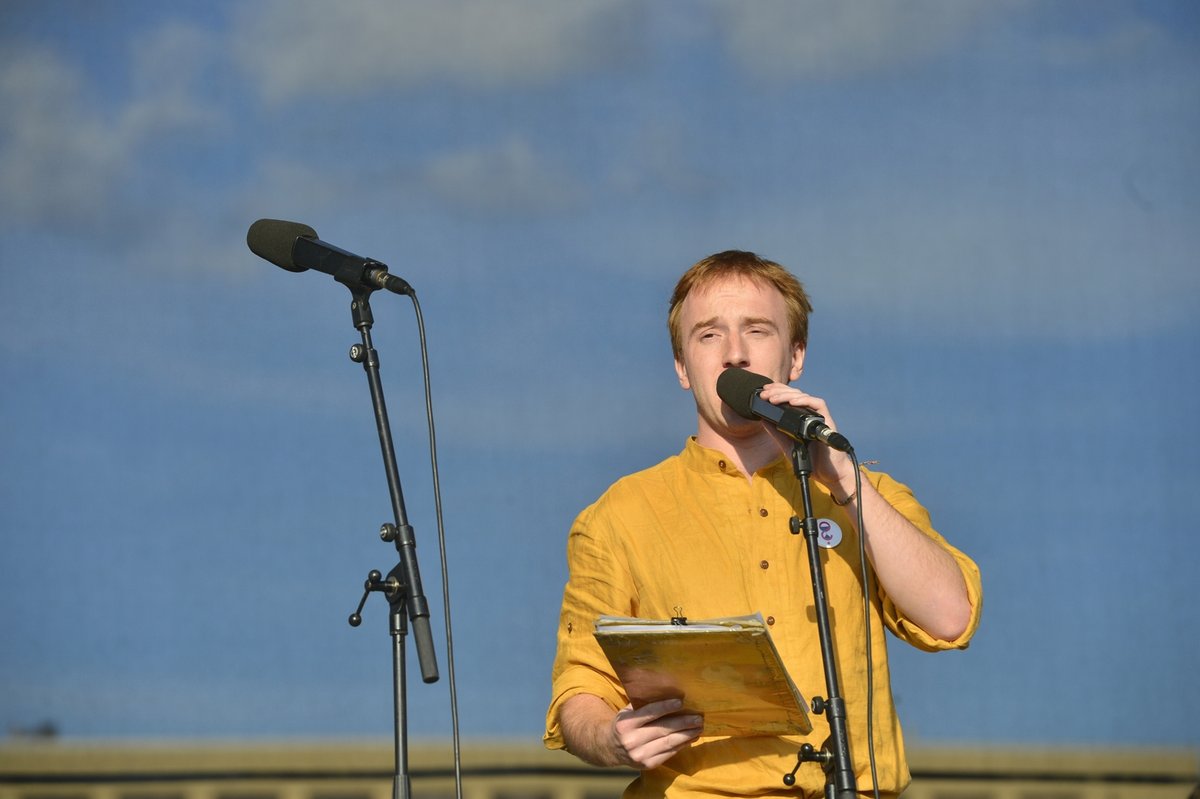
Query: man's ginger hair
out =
(746, 265)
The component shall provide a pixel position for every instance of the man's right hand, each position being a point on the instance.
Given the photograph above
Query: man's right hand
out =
(654, 733)
(642, 738)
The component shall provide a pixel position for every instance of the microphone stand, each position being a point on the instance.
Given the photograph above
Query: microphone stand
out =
(834, 755)
(403, 584)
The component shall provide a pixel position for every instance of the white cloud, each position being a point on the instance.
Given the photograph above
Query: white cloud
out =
(168, 67)
(57, 157)
(659, 157)
(64, 155)
(288, 189)
(511, 177)
(312, 47)
(836, 38)
(1128, 38)
(968, 267)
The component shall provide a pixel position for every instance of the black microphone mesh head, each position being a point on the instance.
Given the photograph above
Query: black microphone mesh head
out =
(273, 240)
(737, 387)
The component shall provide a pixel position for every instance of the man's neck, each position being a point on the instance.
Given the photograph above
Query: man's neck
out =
(748, 453)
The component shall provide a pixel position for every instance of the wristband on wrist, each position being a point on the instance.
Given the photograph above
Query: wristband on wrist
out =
(862, 468)
(844, 502)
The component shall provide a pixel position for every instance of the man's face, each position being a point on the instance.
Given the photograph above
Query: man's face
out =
(733, 322)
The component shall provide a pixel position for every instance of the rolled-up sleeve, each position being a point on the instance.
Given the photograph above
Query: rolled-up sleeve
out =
(597, 585)
(902, 499)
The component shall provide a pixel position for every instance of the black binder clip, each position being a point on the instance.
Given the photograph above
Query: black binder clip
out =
(678, 620)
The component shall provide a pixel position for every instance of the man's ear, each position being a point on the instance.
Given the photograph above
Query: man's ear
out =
(681, 373)
(797, 369)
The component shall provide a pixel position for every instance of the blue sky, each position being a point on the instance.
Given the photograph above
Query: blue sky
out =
(995, 207)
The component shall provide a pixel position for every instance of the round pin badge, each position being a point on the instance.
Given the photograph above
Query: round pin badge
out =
(829, 534)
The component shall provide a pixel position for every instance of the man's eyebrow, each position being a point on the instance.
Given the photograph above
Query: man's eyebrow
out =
(714, 321)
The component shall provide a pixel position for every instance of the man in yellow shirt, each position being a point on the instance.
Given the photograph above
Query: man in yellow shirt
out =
(707, 531)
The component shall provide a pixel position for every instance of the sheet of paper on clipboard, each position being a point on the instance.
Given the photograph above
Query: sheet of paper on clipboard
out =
(727, 670)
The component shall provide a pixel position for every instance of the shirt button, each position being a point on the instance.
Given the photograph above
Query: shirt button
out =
(770, 620)
(762, 511)
(762, 564)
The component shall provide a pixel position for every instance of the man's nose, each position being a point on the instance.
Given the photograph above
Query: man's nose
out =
(735, 353)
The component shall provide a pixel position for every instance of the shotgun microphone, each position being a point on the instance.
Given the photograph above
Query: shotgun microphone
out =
(739, 389)
(296, 248)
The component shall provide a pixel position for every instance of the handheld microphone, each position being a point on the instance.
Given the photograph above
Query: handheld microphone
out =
(296, 248)
(739, 389)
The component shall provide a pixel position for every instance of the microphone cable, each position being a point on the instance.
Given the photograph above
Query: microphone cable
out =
(441, 539)
(864, 573)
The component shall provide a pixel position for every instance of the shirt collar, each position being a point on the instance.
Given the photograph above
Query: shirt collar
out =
(704, 460)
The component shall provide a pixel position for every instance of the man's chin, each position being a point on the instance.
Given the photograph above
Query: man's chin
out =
(740, 427)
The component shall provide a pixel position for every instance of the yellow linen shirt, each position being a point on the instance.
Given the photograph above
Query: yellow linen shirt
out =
(693, 533)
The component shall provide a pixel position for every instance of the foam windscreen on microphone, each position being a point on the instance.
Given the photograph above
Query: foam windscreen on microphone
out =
(737, 389)
(273, 239)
